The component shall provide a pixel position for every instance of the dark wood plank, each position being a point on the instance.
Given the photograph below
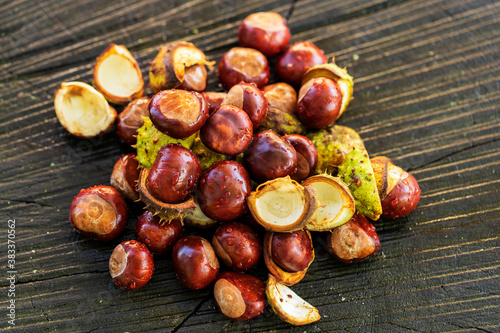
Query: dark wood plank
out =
(426, 95)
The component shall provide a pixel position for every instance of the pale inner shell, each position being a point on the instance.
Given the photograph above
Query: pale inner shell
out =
(283, 205)
(330, 200)
(118, 76)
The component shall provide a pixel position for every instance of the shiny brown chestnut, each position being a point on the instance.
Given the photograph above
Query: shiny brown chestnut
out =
(99, 212)
(398, 190)
(264, 31)
(174, 174)
(130, 120)
(306, 149)
(292, 251)
(250, 99)
(269, 157)
(282, 96)
(125, 176)
(223, 189)
(237, 245)
(239, 296)
(178, 113)
(319, 103)
(243, 64)
(296, 60)
(353, 241)
(195, 78)
(131, 265)
(228, 130)
(159, 237)
(195, 262)
(214, 99)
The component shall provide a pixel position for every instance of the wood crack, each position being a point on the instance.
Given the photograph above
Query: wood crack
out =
(203, 301)
(28, 202)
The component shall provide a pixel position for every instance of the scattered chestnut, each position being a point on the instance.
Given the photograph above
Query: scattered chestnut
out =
(158, 237)
(99, 212)
(174, 174)
(269, 157)
(292, 251)
(239, 296)
(228, 130)
(250, 99)
(130, 120)
(125, 176)
(296, 60)
(243, 64)
(131, 265)
(319, 102)
(214, 99)
(178, 113)
(264, 31)
(237, 245)
(353, 241)
(282, 96)
(195, 78)
(306, 152)
(398, 190)
(223, 189)
(195, 262)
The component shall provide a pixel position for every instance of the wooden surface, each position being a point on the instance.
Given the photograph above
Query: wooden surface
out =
(426, 95)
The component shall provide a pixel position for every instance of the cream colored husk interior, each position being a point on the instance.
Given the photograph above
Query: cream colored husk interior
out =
(118, 76)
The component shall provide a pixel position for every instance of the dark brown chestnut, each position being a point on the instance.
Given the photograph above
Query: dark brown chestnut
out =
(292, 251)
(174, 174)
(195, 78)
(250, 99)
(282, 96)
(237, 245)
(264, 31)
(130, 120)
(131, 265)
(125, 176)
(319, 103)
(353, 241)
(99, 212)
(178, 113)
(243, 64)
(269, 157)
(239, 296)
(159, 237)
(296, 60)
(195, 262)
(214, 99)
(223, 189)
(228, 130)
(307, 150)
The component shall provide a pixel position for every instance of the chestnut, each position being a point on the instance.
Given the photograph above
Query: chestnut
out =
(264, 31)
(99, 212)
(174, 174)
(228, 130)
(306, 152)
(239, 296)
(158, 237)
(214, 99)
(398, 190)
(178, 113)
(319, 102)
(243, 64)
(282, 96)
(131, 265)
(195, 78)
(223, 189)
(195, 262)
(130, 120)
(292, 251)
(237, 245)
(269, 157)
(250, 99)
(296, 60)
(353, 241)
(125, 176)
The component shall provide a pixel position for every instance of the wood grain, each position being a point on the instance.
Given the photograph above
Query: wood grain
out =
(426, 95)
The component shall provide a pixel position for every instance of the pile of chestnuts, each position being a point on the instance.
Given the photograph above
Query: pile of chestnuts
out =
(261, 166)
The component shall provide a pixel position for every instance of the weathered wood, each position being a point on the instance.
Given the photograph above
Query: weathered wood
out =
(426, 95)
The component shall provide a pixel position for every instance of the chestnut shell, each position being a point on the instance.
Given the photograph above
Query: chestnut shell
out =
(125, 176)
(130, 120)
(159, 237)
(403, 198)
(243, 64)
(292, 251)
(304, 147)
(137, 269)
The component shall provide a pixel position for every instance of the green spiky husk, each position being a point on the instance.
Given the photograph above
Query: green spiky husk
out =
(206, 156)
(357, 172)
(282, 122)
